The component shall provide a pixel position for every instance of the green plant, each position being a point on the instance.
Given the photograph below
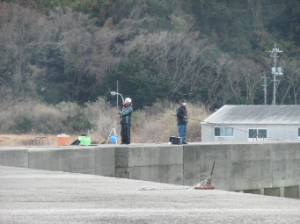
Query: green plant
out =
(80, 123)
(24, 126)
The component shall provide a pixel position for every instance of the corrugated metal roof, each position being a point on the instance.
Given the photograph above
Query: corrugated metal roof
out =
(256, 114)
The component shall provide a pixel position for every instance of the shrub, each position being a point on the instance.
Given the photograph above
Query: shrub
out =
(159, 122)
(96, 119)
(24, 126)
(80, 123)
(102, 117)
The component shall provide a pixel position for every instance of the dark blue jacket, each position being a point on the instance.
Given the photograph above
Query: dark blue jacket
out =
(181, 112)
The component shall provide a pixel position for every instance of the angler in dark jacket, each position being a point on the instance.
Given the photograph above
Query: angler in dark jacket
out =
(182, 121)
(126, 121)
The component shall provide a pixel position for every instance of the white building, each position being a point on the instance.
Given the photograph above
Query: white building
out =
(239, 123)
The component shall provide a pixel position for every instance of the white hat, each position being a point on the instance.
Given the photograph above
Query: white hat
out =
(128, 100)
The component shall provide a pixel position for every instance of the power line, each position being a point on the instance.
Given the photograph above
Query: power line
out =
(223, 125)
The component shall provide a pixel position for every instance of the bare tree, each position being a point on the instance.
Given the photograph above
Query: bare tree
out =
(244, 74)
(31, 43)
(180, 57)
(292, 78)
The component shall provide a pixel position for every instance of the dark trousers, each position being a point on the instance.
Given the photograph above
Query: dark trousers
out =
(125, 133)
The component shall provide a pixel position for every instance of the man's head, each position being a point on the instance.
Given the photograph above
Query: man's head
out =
(182, 102)
(127, 100)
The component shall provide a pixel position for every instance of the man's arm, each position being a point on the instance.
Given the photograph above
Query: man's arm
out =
(126, 111)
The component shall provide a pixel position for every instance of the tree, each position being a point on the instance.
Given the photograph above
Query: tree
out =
(290, 86)
(141, 84)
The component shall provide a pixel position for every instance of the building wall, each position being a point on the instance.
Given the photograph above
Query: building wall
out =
(275, 133)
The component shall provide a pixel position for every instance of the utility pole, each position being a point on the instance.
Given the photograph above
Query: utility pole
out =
(276, 71)
(117, 93)
(265, 89)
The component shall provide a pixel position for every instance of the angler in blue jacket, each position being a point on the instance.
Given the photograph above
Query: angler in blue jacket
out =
(182, 121)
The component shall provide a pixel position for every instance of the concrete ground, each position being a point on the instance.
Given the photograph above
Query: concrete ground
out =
(41, 197)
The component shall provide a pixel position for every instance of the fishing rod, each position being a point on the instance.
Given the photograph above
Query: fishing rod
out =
(222, 125)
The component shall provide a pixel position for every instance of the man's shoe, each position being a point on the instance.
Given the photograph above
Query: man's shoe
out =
(184, 143)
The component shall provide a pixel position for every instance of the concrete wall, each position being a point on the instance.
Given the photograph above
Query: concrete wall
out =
(154, 163)
(244, 166)
(104, 161)
(241, 167)
(198, 161)
(14, 156)
(262, 167)
(75, 159)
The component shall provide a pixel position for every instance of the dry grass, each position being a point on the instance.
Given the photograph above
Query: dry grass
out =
(31, 139)
(154, 124)
(158, 123)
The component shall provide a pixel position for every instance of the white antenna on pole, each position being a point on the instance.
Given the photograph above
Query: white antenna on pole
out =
(276, 71)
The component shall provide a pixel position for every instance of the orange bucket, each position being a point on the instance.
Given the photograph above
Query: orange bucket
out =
(63, 139)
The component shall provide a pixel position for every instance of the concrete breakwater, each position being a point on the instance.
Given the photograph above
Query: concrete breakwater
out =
(260, 168)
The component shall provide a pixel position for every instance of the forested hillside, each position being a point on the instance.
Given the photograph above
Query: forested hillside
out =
(209, 51)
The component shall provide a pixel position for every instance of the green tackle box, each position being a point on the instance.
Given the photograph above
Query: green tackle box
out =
(84, 140)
